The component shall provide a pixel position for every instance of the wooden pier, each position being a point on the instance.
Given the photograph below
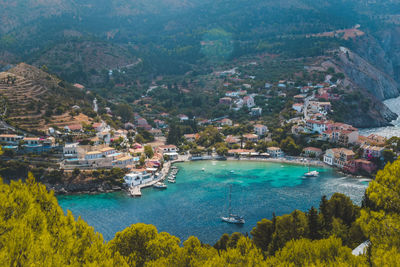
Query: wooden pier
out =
(134, 191)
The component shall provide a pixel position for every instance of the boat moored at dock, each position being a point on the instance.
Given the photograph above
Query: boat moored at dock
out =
(160, 185)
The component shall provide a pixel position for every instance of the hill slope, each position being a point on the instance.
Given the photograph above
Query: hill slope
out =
(35, 99)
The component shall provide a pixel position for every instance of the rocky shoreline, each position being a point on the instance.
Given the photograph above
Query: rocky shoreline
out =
(83, 188)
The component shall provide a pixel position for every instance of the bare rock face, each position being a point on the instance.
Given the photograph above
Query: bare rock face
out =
(83, 187)
(365, 75)
(382, 50)
(373, 81)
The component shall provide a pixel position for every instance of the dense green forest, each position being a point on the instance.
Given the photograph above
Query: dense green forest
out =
(35, 231)
(173, 36)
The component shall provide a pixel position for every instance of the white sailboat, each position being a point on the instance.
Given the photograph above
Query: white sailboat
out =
(231, 218)
(311, 173)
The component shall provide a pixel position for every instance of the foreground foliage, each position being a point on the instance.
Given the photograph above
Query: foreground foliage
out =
(35, 231)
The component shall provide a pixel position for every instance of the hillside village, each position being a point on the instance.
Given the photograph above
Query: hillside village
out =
(305, 133)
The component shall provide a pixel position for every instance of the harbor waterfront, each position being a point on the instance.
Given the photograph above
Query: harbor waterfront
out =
(195, 203)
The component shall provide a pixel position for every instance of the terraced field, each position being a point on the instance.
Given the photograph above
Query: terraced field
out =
(35, 99)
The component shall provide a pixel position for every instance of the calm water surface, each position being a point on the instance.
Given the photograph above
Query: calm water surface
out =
(194, 204)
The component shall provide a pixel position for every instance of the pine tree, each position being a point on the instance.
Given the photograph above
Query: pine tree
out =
(326, 214)
(313, 223)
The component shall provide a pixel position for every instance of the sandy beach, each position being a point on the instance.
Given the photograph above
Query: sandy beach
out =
(297, 161)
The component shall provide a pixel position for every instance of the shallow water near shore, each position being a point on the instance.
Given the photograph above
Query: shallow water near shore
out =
(194, 205)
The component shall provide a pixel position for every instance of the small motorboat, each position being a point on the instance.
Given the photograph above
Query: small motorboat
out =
(203, 169)
(172, 181)
(160, 185)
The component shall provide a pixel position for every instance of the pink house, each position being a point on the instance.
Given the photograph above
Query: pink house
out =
(360, 165)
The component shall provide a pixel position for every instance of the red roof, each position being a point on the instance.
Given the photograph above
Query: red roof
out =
(74, 127)
(314, 149)
(79, 86)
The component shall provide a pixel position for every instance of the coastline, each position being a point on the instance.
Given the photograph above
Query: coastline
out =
(94, 188)
(83, 188)
(294, 161)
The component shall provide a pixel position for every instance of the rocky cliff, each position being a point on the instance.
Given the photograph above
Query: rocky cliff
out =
(376, 77)
(382, 50)
(366, 86)
(372, 66)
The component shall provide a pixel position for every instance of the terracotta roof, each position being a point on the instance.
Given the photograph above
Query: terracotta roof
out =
(274, 148)
(124, 158)
(347, 152)
(250, 136)
(74, 127)
(315, 149)
(231, 139)
(364, 161)
(190, 135)
(259, 126)
(93, 152)
(8, 135)
(106, 149)
(32, 138)
(80, 86)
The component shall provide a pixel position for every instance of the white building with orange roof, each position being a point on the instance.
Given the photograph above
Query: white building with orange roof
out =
(10, 139)
(250, 137)
(275, 152)
(260, 129)
(226, 122)
(106, 151)
(31, 141)
(191, 137)
(298, 107)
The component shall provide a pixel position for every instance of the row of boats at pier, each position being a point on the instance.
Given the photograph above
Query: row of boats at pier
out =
(171, 179)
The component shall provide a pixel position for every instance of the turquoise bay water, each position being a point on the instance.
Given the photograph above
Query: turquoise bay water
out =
(194, 205)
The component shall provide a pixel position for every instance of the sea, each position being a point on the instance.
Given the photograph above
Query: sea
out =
(195, 203)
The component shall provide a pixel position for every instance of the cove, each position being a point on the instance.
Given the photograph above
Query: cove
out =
(194, 205)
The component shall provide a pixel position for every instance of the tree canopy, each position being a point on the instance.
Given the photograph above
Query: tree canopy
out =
(34, 230)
